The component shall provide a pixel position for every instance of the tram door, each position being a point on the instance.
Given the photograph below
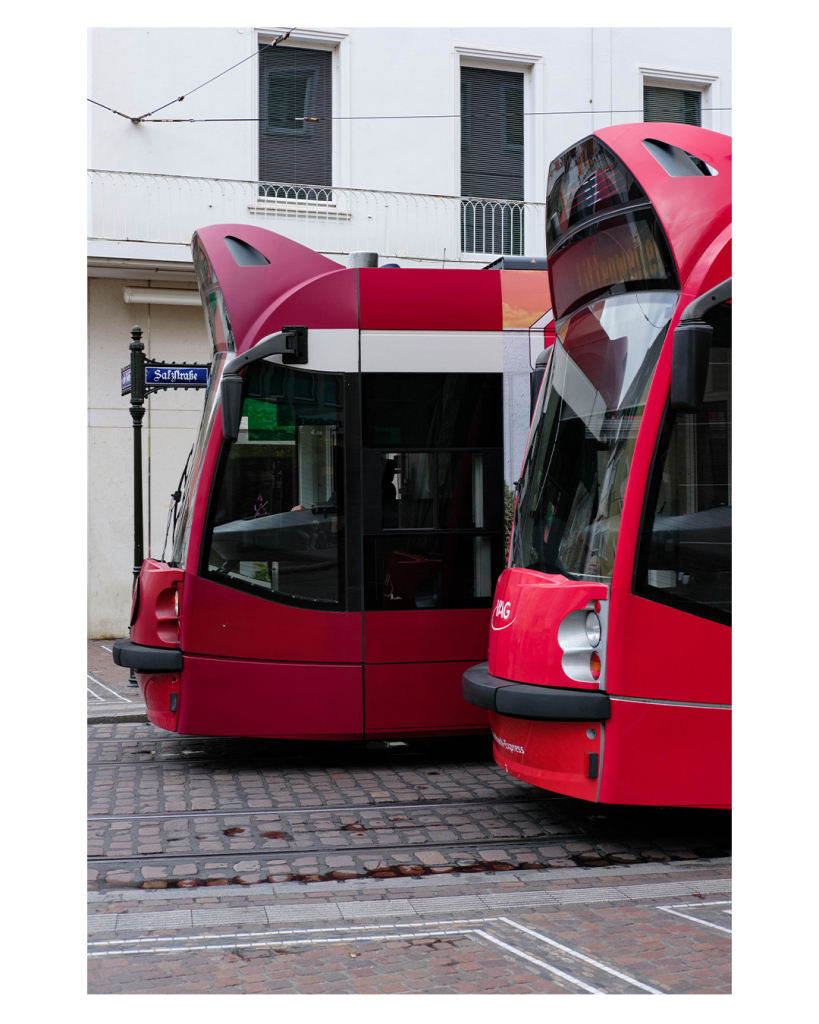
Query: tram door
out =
(432, 510)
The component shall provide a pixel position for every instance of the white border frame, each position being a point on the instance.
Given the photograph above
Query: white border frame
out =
(693, 81)
(314, 39)
(533, 67)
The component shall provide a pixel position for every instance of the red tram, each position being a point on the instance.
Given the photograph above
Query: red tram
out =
(343, 526)
(609, 670)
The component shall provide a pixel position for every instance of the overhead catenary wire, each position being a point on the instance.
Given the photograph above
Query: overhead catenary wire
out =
(150, 113)
(148, 116)
(376, 117)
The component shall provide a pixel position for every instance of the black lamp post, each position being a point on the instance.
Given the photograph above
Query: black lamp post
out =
(137, 350)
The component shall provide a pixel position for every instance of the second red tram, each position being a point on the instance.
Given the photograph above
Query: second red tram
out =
(343, 527)
(609, 669)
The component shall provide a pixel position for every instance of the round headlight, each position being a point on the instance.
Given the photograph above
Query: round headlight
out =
(593, 630)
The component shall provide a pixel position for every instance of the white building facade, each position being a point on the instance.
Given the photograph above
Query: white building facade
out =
(428, 146)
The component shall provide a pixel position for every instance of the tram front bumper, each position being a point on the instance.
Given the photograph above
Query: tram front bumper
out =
(147, 659)
(525, 700)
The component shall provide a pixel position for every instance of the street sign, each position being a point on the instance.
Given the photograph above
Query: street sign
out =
(176, 375)
(168, 375)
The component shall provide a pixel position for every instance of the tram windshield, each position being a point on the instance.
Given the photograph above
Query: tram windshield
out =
(190, 484)
(277, 517)
(583, 432)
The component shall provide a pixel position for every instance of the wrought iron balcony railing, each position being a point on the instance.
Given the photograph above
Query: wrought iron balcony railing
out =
(167, 208)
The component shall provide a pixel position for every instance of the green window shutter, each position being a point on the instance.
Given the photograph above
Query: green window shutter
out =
(682, 106)
(492, 140)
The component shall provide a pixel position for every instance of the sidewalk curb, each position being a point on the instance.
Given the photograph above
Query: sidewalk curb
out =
(413, 886)
(138, 714)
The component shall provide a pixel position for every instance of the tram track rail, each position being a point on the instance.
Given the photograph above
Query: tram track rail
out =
(338, 809)
(237, 761)
(577, 831)
(372, 848)
(509, 826)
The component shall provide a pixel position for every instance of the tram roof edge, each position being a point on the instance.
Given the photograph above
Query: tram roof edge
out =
(683, 204)
(257, 290)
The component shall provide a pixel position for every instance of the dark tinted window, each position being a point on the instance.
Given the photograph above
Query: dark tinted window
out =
(433, 489)
(431, 571)
(432, 410)
(586, 181)
(620, 254)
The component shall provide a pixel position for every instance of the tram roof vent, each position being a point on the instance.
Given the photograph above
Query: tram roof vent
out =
(244, 254)
(678, 162)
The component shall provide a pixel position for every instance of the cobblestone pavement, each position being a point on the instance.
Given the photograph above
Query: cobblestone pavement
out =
(180, 811)
(229, 865)
(647, 929)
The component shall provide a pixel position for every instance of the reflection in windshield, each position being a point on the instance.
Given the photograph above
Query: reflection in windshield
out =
(182, 528)
(574, 477)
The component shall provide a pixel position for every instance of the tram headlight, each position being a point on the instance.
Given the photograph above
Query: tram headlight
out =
(593, 630)
(583, 643)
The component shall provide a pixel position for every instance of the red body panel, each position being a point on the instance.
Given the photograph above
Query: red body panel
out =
(529, 607)
(157, 689)
(155, 624)
(666, 754)
(330, 301)
(261, 698)
(446, 634)
(552, 755)
(666, 653)
(649, 754)
(226, 623)
(418, 698)
(423, 300)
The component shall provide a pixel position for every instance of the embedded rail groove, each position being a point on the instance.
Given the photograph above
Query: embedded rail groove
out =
(342, 809)
(370, 848)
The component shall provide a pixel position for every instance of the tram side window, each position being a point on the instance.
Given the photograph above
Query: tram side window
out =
(278, 519)
(685, 551)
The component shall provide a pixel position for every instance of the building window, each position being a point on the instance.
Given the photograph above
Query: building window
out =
(682, 106)
(491, 161)
(295, 87)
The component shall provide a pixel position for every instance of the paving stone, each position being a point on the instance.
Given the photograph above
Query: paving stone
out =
(406, 858)
(150, 871)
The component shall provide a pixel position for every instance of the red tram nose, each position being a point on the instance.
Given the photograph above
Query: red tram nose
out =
(153, 650)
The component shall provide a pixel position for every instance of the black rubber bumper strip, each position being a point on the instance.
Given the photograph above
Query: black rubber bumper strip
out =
(524, 700)
(146, 659)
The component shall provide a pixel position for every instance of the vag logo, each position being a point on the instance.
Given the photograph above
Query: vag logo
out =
(502, 614)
